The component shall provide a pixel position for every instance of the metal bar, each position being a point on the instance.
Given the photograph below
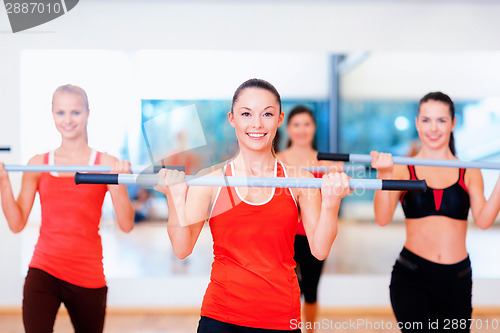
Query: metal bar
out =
(334, 96)
(346, 168)
(84, 168)
(150, 180)
(4, 148)
(360, 158)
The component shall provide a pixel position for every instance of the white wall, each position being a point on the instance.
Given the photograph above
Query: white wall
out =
(409, 75)
(216, 74)
(317, 26)
(106, 76)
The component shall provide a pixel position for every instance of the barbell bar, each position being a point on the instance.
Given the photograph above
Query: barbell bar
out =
(365, 158)
(151, 180)
(139, 168)
(83, 168)
(345, 168)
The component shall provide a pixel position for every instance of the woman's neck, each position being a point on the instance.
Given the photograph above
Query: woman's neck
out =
(301, 150)
(301, 155)
(441, 153)
(74, 147)
(254, 163)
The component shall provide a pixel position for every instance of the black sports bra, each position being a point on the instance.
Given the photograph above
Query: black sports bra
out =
(453, 201)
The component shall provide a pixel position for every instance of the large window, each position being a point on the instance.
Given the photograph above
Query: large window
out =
(197, 134)
(387, 126)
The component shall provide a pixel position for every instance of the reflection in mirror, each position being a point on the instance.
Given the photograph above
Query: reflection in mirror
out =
(133, 116)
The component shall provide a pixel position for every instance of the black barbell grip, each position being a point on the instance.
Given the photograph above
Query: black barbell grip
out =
(395, 184)
(333, 157)
(96, 178)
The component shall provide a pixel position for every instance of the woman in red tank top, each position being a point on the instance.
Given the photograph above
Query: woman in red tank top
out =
(67, 262)
(301, 151)
(253, 285)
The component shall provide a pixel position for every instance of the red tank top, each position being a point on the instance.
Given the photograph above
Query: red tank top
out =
(253, 281)
(69, 246)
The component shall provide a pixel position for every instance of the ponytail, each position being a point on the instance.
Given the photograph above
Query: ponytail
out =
(452, 144)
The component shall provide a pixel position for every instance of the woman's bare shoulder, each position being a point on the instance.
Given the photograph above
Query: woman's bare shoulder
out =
(37, 159)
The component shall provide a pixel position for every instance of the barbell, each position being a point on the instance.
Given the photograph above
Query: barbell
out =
(364, 158)
(83, 168)
(231, 181)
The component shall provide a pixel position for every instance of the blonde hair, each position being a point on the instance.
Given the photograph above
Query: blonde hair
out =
(69, 88)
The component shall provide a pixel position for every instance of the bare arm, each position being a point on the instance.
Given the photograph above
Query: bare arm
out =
(18, 211)
(320, 211)
(385, 202)
(124, 211)
(188, 210)
(484, 212)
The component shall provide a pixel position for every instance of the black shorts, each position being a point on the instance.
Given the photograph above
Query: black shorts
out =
(430, 297)
(43, 294)
(209, 325)
(308, 269)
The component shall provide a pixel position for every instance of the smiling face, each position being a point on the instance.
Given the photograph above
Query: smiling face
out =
(301, 129)
(70, 114)
(434, 124)
(255, 117)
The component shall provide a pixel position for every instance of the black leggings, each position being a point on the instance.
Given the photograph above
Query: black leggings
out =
(43, 295)
(209, 325)
(431, 297)
(308, 269)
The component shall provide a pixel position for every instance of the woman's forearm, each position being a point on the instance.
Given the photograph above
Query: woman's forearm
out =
(326, 230)
(11, 209)
(490, 210)
(179, 231)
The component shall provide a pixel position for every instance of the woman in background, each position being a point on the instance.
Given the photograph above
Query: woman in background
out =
(301, 151)
(432, 278)
(67, 262)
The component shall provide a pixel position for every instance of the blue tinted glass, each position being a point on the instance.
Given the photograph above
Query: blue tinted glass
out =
(219, 135)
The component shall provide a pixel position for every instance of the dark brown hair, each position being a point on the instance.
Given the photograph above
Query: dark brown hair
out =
(256, 83)
(299, 109)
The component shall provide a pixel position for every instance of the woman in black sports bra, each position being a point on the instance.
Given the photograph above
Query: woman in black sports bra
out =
(431, 284)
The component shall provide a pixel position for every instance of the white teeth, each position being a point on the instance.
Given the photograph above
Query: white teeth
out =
(255, 135)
